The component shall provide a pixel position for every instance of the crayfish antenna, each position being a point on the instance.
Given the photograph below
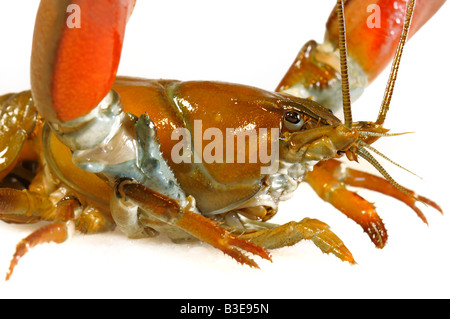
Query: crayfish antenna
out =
(344, 68)
(395, 64)
(385, 107)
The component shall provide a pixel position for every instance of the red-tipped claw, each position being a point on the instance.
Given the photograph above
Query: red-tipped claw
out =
(75, 55)
(374, 28)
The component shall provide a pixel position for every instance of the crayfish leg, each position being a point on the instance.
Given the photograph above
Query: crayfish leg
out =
(23, 206)
(333, 190)
(153, 205)
(57, 232)
(291, 233)
(353, 177)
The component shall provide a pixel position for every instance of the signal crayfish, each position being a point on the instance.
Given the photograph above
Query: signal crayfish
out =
(129, 173)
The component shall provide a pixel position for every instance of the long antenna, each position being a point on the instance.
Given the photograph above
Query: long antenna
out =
(395, 64)
(344, 68)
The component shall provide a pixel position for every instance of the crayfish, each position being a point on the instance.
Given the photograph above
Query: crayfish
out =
(197, 160)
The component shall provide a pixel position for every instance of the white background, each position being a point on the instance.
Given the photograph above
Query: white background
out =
(254, 42)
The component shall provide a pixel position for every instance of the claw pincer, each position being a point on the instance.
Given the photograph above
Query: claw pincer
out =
(73, 67)
(374, 29)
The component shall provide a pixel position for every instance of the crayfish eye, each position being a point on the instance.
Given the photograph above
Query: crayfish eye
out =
(293, 120)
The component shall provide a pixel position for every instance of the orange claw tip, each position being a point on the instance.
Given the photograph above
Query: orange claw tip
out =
(427, 201)
(251, 247)
(75, 56)
(246, 246)
(349, 258)
(344, 254)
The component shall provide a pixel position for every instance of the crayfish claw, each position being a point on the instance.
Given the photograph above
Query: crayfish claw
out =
(185, 221)
(246, 246)
(330, 178)
(325, 239)
(429, 202)
(291, 233)
(218, 237)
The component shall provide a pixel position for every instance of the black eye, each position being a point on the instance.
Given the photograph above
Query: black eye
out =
(293, 120)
